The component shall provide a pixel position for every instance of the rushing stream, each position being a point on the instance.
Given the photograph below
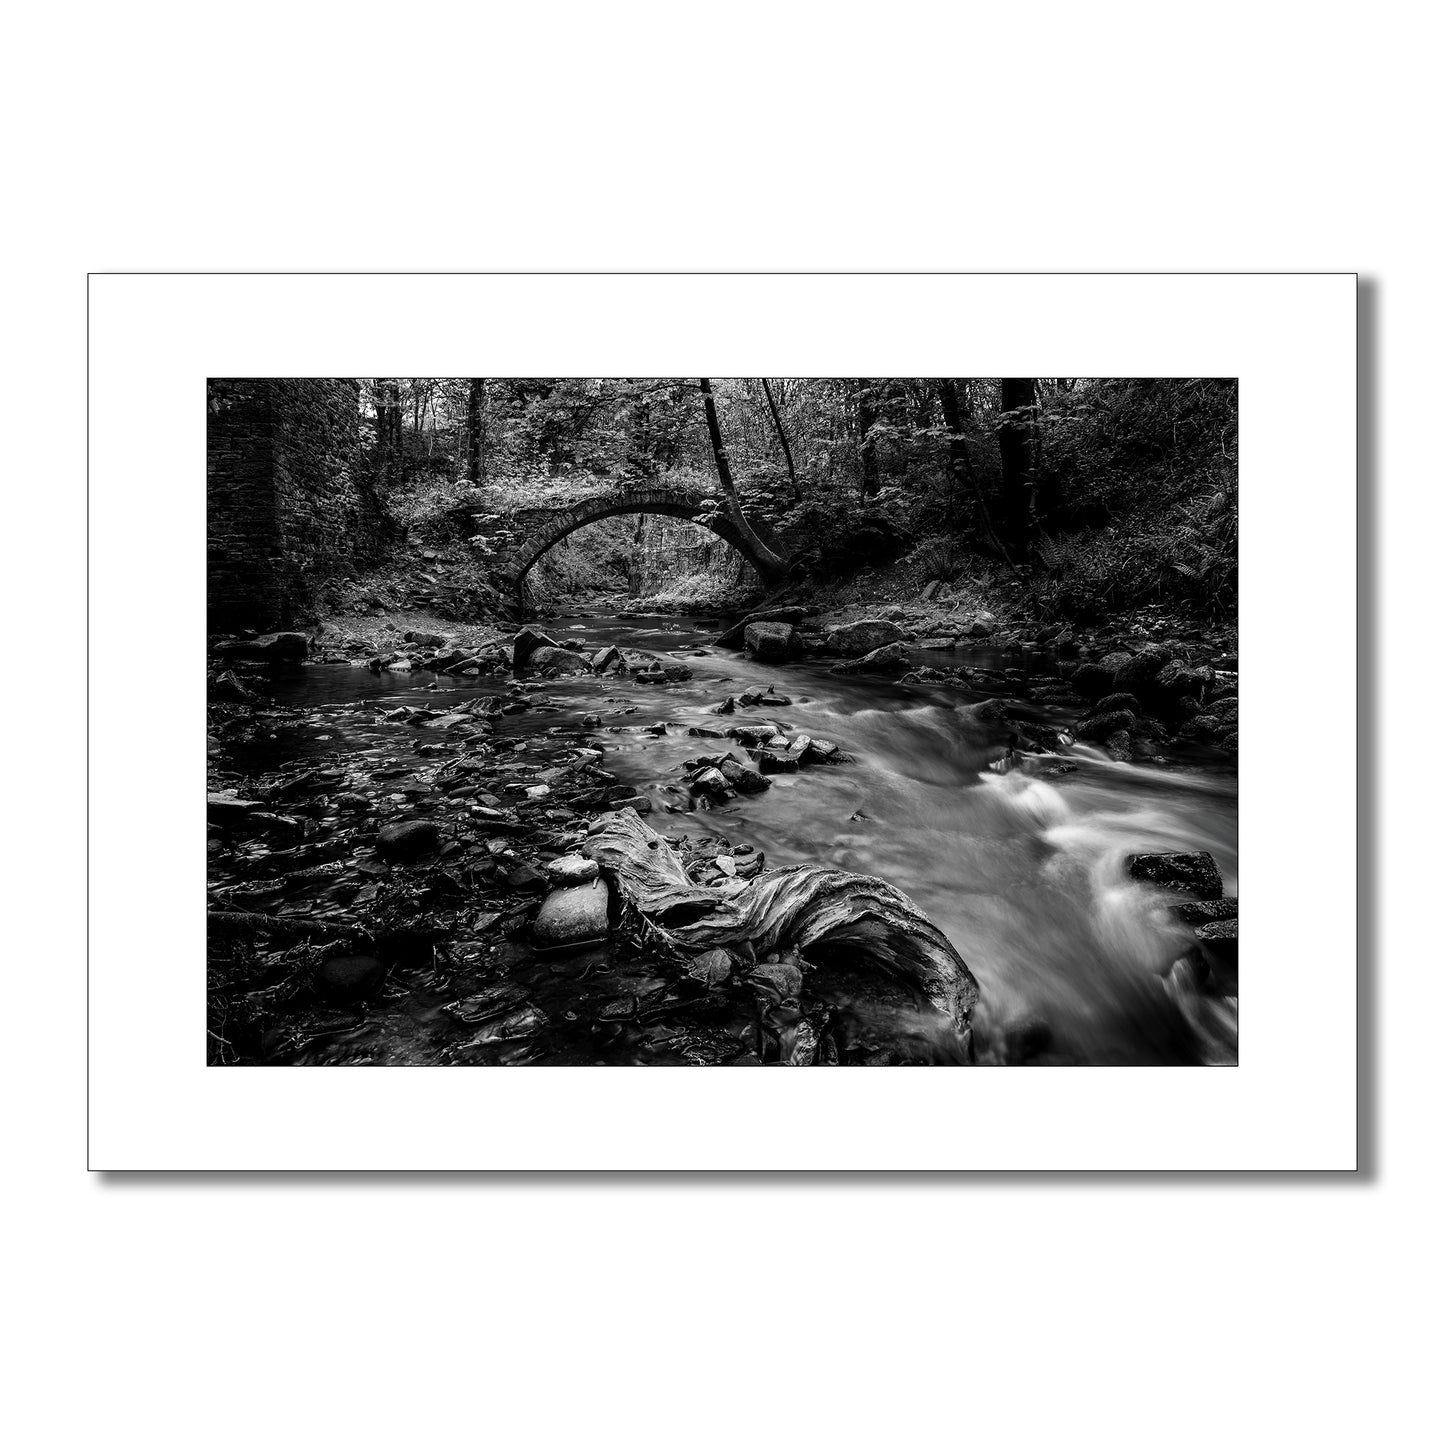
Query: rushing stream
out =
(1023, 870)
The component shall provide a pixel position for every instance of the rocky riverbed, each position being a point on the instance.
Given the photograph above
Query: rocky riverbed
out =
(396, 807)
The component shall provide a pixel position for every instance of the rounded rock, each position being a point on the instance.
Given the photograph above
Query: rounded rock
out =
(572, 915)
(569, 871)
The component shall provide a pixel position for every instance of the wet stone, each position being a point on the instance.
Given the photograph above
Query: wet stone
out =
(1194, 874)
(1195, 914)
(405, 842)
(487, 1004)
(564, 872)
(743, 778)
(519, 1024)
(572, 915)
(773, 762)
(769, 641)
(854, 639)
(526, 879)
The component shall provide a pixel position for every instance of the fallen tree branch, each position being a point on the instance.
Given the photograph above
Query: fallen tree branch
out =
(822, 913)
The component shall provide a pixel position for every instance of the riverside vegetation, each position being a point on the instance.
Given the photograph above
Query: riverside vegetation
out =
(956, 785)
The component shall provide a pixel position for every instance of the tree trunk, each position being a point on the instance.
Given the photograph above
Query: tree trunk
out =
(771, 562)
(475, 387)
(782, 439)
(867, 445)
(960, 465)
(388, 431)
(1016, 456)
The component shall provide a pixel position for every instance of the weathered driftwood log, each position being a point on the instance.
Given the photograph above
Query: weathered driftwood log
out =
(822, 913)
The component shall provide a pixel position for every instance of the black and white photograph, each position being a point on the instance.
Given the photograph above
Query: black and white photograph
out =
(727, 721)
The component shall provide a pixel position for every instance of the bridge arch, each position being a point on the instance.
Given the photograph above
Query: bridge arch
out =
(543, 531)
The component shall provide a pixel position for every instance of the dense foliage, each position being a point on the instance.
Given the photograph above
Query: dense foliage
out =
(1100, 493)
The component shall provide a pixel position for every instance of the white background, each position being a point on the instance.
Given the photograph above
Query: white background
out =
(1105, 137)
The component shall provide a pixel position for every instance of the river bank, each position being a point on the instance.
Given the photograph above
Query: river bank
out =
(1018, 850)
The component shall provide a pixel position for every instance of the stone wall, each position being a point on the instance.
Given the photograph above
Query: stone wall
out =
(290, 502)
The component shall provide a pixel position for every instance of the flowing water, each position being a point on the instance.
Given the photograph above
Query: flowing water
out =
(1023, 870)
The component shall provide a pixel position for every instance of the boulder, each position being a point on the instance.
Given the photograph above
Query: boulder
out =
(736, 635)
(1120, 746)
(982, 627)
(769, 761)
(1092, 679)
(526, 642)
(348, 977)
(572, 915)
(1101, 725)
(1194, 874)
(770, 641)
(559, 659)
(1117, 702)
(855, 639)
(1176, 676)
(1143, 668)
(891, 658)
(424, 639)
(407, 841)
(604, 658)
(526, 879)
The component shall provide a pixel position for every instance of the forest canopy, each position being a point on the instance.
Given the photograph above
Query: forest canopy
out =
(1099, 493)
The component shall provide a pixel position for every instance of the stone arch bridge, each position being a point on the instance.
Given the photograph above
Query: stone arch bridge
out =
(536, 532)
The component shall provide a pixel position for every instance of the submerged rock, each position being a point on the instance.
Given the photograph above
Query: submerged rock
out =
(349, 976)
(273, 647)
(657, 673)
(573, 914)
(407, 841)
